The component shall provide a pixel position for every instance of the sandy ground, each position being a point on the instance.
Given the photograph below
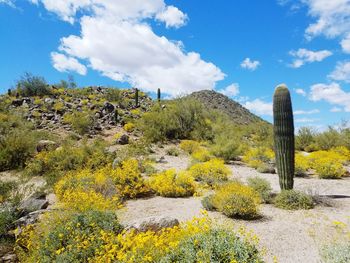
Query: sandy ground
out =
(291, 236)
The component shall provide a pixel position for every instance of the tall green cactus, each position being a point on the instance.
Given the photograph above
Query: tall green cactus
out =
(158, 95)
(136, 97)
(284, 136)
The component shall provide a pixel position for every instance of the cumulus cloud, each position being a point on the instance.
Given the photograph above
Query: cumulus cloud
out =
(345, 43)
(303, 56)
(304, 112)
(172, 17)
(331, 93)
(8, 2)
(341, 72)
(300, 92)
(250, 64)
(117, 41)
(231, 90)
(64, 63)
(336, 109)
(259, 106)
(332, 19)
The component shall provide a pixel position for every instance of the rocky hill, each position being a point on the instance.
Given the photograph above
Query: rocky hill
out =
(233, 109)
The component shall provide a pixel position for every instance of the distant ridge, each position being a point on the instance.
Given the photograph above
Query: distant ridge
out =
(233, 109)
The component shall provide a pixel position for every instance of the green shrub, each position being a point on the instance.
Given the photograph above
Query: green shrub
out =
(173, 151)
(68, 157)
(226, 149)
(5, 190)
(236, 200)
(293, 200)
(336, 253)
(30, 85)
(183, 118)
(217, 245)
(207, 203)
(7, 217)
(16, 147)
(113, 95)
(304, 139)
(80, 121)
(261, 186)
(328, 139)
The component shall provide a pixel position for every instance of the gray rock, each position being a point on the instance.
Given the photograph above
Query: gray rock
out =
(124, 139)
(46, 145)
(33, 204)
(108, 107)
(49, 101)
(153, 224)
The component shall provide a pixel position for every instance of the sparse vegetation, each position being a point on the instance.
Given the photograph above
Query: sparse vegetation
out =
(293, 200)
(261, 186)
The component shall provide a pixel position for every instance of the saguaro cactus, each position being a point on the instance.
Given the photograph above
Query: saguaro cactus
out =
(158, 95)
(137, 97)
(284, 136)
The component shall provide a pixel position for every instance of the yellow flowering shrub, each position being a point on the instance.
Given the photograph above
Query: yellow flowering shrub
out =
(343, 151)
(236, 200)
(129, 127)
(302, 164)
(328, 164)
(201, 154)
(85, 189)
(210, 172)
(190, 146)
(128, 180)
(171, 184)
(257, 157)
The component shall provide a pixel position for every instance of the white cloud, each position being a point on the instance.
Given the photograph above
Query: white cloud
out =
(303, 56)
(172, 17)
(300, 92)
(336, 109)
(345, 43)
(64, 63)
(117, 41)
(303, 112)
(8, 2)
(231, 90)
(260, 107)
(250, 64)
(332, 18)
(331, 93)
(305, 120)
(341, 72)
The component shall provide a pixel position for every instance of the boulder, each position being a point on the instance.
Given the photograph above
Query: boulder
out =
(32, 204)
(108, 107)
(46, 145)
(154, 223)
(124, 139)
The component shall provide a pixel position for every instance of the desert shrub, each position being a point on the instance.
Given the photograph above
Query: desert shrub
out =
(293, 200)
(342, 151)
(257, 157)
(261, 186)
(328, 164)
(129, 127)
(7, 217)
(67, 236)
(113, 95)
(207, 203)
(16, 147)
(336, 253)
(30, 85)
(304, 138)
(173, 151)
(68, 157)
(128, 180)
(183, 118)
(171, 184)
(201, 155)
(226, 149)
(236, 200)
(80, 121)
(88, 190)
(328, 139)
(302, 164)
(190, 146)
(5, 190)
(216, 245)
(210, 172)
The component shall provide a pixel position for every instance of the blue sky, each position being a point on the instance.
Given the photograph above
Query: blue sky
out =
(242, 48)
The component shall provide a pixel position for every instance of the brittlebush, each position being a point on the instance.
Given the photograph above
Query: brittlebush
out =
(210, 172)
(171, 184)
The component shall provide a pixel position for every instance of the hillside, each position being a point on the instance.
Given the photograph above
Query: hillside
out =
(233, 109)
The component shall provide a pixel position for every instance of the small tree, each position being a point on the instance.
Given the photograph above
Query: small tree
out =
(30, 85)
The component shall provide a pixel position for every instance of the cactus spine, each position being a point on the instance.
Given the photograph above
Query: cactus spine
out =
(158, 95)
(136, 97)
(284, 136)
